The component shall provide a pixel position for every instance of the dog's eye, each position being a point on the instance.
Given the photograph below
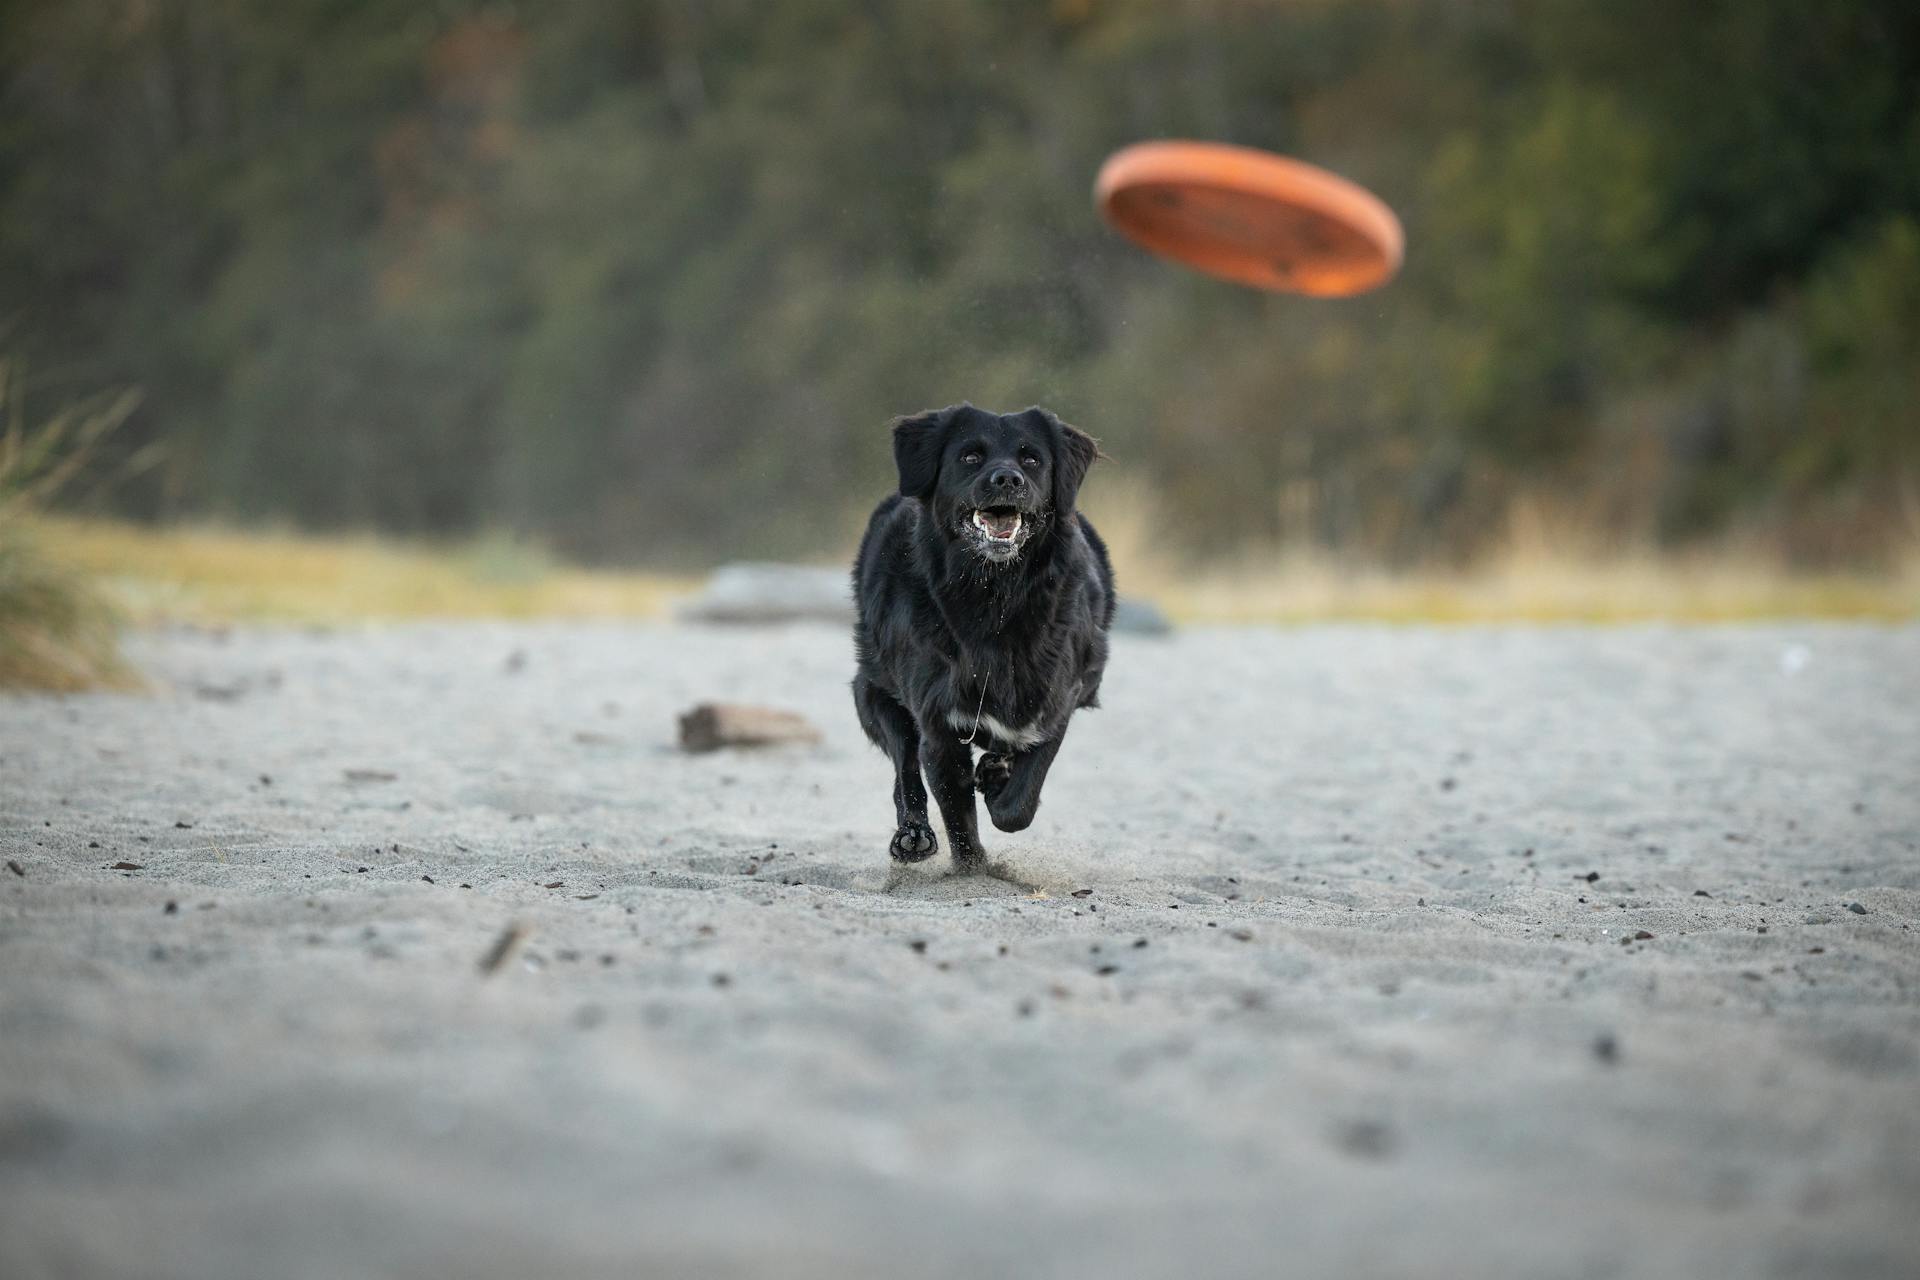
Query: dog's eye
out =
(971, 457)
(1030, 459)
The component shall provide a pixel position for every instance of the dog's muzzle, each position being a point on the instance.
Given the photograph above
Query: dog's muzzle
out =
(997, 533)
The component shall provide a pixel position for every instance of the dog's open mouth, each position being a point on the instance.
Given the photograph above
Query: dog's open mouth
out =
(999, 524)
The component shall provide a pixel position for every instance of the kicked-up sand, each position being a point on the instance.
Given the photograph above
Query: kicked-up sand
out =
(1335, 951)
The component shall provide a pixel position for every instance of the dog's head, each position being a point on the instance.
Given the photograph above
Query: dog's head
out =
(994, 480)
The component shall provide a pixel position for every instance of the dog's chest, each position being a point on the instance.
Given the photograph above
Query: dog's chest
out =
(1003, 703)
(1018, 736)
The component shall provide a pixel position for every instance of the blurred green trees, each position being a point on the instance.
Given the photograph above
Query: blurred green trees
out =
(646, 278)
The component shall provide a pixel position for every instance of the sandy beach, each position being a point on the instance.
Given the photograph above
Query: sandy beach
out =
(1342, 951)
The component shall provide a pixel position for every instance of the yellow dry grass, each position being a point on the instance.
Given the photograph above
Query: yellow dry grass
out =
(1300, 588)
(1545, 571)
(57, 634)
(211, 575)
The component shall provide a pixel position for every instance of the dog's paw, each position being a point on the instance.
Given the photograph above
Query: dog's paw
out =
(991, 773)
(913, 842)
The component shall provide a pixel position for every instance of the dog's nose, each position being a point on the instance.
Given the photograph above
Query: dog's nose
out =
(1007, 478)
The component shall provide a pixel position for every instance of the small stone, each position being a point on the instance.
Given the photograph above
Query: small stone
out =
(1368, 1139)
(1856, 908)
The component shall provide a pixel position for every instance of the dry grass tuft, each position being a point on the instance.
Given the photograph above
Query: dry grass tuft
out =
(56, 634)
(56, 631)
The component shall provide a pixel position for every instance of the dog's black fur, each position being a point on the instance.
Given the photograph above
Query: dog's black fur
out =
(970, 635)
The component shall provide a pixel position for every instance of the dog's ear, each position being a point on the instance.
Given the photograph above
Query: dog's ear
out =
(1073, 454)
(918, 440)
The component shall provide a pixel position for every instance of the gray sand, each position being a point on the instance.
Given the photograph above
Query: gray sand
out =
(1343, 998)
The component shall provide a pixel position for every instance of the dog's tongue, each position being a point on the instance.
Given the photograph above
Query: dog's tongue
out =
(998, 524)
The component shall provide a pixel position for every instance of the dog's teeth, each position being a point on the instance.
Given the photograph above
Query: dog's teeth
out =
(984, 524)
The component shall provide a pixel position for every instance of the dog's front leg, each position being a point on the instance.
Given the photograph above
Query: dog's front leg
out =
(950, 773)
(889, 724)
(1011, 784)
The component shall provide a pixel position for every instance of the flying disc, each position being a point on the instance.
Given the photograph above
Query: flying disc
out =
(1251, 217)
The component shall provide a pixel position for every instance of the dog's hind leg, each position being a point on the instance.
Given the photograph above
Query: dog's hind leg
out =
(892, 729)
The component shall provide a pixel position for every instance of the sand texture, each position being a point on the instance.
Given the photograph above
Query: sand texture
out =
(1360, 952)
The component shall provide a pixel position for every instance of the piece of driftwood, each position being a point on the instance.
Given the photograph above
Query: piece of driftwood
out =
(713, 725)
(752, 593)
(1142, 617)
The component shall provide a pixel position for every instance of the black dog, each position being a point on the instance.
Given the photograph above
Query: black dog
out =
(984, 600)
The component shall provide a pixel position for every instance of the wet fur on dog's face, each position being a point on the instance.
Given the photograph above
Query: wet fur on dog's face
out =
(993, 481)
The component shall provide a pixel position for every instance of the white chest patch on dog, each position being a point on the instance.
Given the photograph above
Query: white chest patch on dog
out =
(1021, 736)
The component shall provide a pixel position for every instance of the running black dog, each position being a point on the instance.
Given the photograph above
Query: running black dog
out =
(984, 600)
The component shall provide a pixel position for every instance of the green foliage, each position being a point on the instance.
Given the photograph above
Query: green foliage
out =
(643, 279)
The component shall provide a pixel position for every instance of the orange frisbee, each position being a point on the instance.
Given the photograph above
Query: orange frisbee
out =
(1251, 217)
